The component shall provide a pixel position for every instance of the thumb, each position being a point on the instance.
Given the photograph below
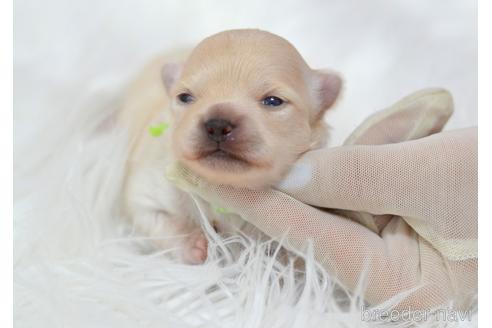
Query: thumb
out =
(242, 201)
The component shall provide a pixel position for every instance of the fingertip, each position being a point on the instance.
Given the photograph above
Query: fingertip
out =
(181, 176)
(299, 176)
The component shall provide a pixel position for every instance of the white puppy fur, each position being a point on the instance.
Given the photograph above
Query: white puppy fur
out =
(241, 109)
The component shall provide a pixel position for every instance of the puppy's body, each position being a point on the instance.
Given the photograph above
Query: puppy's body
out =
(156, 207)
(241, 110)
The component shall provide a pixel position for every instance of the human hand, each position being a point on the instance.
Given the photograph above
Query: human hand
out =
(428, 184)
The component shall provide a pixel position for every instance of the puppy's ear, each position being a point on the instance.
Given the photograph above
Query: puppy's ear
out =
(170, 73)
(327, 87)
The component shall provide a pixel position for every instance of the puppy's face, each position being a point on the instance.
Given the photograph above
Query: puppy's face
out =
(246, 106)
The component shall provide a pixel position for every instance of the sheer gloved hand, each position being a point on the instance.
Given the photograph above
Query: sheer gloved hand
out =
(396, 205)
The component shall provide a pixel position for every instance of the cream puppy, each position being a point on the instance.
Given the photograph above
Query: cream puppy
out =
(241, 109)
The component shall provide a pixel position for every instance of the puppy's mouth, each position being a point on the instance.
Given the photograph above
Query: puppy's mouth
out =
(225, 155)
(223, 158)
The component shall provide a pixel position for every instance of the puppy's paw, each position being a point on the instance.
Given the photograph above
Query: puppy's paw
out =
(195, 248)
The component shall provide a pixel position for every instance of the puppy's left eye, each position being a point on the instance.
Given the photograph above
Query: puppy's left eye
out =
(272, 101)
(185, 98)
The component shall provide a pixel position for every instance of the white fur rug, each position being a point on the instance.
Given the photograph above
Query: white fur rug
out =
(75, 264)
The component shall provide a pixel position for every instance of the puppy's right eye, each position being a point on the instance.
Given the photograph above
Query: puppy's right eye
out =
(185, 98)
(272, 101)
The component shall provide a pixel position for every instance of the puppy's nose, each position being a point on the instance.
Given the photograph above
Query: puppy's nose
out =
(218, 129)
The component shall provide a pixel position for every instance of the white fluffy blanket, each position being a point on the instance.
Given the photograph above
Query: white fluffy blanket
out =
(74, 262)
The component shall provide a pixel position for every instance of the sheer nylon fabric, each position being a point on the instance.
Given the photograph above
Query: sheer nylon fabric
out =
(406, 212)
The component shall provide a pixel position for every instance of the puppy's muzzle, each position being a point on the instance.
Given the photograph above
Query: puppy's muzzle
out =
(218, 129)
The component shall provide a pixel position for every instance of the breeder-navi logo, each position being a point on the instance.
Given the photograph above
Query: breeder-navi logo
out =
(442, 315)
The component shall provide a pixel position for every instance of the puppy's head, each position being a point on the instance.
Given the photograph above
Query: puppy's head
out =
(246, 105)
